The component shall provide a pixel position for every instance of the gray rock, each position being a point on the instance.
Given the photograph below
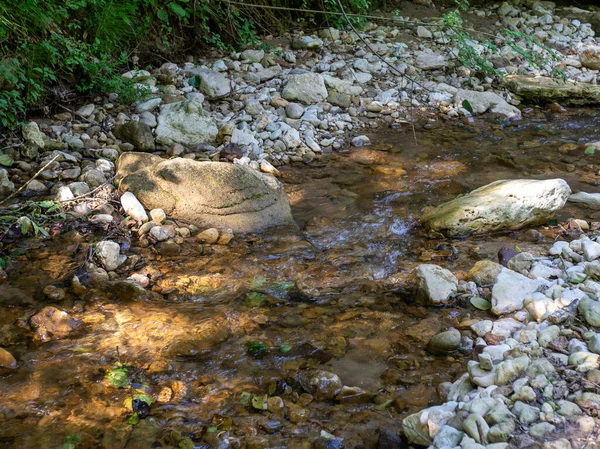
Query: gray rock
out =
(509, 370)
(185, 123)
(322, 384)
(252, 55)
(308, 88)
(591, 200)
(435, 285)
(540, 430)
(107, 252)
(148, 105)
(590, 311)
(136, 133)
(6, 185)
(589, 56)
(159, 233)
(482, 102)
(510, 291)
(213, 84)
(548, 90)
(294, 110)
(428, 60)
(444, 342)
(34, 140)
(517, 203)
(206, 194)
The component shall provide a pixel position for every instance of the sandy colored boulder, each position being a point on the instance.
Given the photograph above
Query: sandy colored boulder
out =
(501, 205)
(541, 89)
(206, 194)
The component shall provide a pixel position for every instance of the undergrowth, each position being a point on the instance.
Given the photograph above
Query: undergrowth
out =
(51, 50)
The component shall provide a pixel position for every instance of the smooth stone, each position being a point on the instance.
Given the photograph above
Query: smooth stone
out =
(132, 207)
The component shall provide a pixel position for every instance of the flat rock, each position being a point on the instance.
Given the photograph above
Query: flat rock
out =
(501, 205)
(206, 194)
(591, 200)
(435, 285)
(510, 290)
(482, 102)
(185, 123)
(547, 90)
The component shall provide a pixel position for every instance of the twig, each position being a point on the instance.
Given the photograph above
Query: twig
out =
(91, 192)
(79, 115)
(27, 183)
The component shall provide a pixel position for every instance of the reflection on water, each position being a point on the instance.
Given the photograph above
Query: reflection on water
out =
(333, 294)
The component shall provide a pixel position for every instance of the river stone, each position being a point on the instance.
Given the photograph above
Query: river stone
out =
(108, 254)
(51, 323)
(585, 361)
(510, 290)
(591, 200)
(321, 383)
(428, 60)
(589, 56)
(132, 207)
(138, 134)
(444, 342)
(206, 194)
(6, 185)
(501, 205)
(541, 89)
(34, 140)
(7, 361)
(213, 84)
(486, 101)
(485, 272)
(435, 285)
(509, 370)
(185, 123)
(308, 88)
(590, 310)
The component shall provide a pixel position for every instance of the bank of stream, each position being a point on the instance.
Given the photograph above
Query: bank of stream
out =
(333, 295)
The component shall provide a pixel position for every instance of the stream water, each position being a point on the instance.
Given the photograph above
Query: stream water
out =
(331, 295)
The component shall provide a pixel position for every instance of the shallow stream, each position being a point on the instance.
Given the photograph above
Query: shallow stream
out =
(333, 294)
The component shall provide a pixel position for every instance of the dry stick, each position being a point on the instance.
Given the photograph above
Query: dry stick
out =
(78, 114)
(362, 16)
(27, 183)
(91, 192)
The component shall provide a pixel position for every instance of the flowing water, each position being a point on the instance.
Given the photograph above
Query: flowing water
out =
(331, 295)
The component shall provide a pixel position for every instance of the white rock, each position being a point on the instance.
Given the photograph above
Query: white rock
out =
(133, 207)
(435, 285)
(591, 200)
(510, 290)
(108, 253)
(482, 102)
(591, 250)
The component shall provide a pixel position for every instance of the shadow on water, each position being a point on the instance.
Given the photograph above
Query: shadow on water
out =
(333, 295)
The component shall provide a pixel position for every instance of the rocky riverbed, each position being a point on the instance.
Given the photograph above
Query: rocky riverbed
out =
(137, 316)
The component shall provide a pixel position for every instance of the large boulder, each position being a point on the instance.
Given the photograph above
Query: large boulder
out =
(206, 194)
(481, 102)
(541, 89)
(185, 123)
(501, 205)
(306, 87)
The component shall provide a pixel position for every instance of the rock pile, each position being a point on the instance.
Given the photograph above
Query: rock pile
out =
(535, 378)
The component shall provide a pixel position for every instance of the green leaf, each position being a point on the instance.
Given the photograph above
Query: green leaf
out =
(195, 81)
(186, 443)
(177, 9)
(212, 429)
(256, 349)
(71, 441)
(480, 303)
(6, 160)
(3, 261)
(590, 150)
(467, 105)
(25, 225)
(118, 377)
(285, 348)
(142, 397)
(162, 15)
(133, 419)
(245, 398)
(260, 402)
(47, 204)
(384, 405)
(255, 299)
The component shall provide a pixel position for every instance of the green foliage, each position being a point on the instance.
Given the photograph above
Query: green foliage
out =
(350, 6)
(476, 55)
(71, 441)
(118, 376)
(256, 349)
